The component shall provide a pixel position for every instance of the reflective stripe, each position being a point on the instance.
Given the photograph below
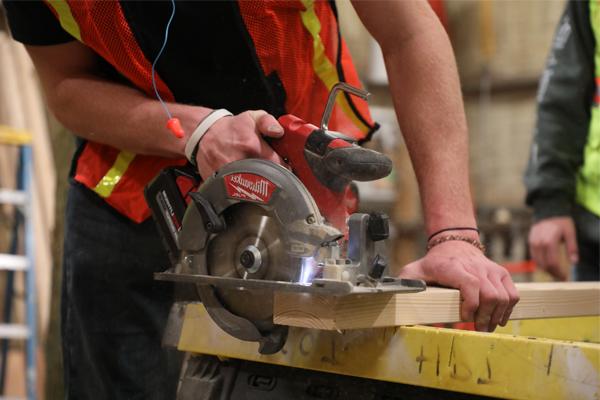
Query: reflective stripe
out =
(323, 67)
(63, 10)
(107, 184)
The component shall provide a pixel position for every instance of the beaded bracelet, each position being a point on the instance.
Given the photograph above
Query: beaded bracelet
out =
(458, 228)
(471, 241)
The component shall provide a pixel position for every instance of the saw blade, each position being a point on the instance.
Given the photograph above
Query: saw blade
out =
(253, 246)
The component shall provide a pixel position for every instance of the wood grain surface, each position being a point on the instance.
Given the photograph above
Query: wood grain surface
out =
(435, 305)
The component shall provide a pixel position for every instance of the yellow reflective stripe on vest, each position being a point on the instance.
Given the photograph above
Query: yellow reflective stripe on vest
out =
(67, 21)
(323, 67)
(588, 178)
(107, 184)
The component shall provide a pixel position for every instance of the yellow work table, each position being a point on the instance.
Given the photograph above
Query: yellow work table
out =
(530, 359)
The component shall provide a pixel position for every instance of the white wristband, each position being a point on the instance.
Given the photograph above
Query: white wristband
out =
(202, 128)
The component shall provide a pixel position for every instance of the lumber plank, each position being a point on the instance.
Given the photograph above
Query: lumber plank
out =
(435, 305)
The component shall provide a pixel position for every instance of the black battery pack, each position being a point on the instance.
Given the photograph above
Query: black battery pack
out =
(168, 203)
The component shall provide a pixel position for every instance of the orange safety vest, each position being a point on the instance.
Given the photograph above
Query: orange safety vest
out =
(299, 40)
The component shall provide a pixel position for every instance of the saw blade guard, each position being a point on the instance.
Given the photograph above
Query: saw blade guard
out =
(252, 220)
(271, 189)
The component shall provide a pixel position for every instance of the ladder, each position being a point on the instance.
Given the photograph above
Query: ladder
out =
(13, 263)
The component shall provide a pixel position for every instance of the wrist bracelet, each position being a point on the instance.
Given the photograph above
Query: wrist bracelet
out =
(191, 147)
(471, 241)
(460, 228)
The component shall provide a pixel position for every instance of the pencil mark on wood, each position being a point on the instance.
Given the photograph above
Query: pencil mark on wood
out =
(420, 360)
(550, 360)
(451, 353)
(437, 364)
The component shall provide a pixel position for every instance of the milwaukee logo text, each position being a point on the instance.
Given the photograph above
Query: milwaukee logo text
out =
(249, 187)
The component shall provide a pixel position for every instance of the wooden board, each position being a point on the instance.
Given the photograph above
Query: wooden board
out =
(435, 305)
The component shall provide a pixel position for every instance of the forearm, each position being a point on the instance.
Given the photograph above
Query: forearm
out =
(427, 97)
(120, 116)
(103, 111)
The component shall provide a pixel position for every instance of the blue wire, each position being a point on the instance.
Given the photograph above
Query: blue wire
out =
(158, 56)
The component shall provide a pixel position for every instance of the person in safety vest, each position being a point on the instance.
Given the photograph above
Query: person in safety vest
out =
(563, 175)
(258, 60)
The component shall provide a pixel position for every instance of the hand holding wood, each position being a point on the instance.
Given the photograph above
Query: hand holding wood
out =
(487, 292)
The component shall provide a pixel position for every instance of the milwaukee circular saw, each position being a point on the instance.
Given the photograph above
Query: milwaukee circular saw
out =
(256, 227)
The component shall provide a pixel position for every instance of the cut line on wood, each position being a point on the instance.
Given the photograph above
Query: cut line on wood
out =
(435, 305)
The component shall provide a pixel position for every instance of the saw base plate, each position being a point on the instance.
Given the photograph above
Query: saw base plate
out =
(317, 286)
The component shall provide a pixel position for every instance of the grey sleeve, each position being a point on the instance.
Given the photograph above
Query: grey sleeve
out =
(564, 99)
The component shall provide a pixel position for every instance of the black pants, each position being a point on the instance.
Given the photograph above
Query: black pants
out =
(113, 312)
(588, 242)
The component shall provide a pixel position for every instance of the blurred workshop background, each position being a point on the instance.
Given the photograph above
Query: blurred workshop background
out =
(500, 46)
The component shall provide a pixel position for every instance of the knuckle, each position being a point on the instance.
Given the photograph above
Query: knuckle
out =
(473, 282)
(515, 298)
(503, 300)
(470, 307)
(503, 272)
(244, 114)
(239, 123)
(249, 149)
(545, 242)
(470, 304)
(489, 296)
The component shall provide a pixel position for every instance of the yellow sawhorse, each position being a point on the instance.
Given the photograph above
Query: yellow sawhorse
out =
(504, 365)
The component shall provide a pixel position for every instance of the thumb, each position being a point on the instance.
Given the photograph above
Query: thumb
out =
(571, 243)
(266, 124)
(412, 270)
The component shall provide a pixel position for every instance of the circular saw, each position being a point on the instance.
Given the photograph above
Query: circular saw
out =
(256, 227)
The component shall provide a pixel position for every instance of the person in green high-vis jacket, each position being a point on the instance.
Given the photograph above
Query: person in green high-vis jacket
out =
(563, 174)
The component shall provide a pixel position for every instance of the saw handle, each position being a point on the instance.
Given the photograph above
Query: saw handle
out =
(328, 155)
(327, 162)
(356, 163)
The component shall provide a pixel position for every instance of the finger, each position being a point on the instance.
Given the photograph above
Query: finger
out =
(267, 153)
(266, 124)
(513, 298)
(469, 295)
(571, 243)
(541, 257)
(552, 255)
(503, 302)
(412, 270)
(488, 300)
(551, 260)
(535, 250)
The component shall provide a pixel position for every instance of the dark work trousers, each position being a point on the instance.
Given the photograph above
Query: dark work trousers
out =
(113, 312)
(588, 243)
